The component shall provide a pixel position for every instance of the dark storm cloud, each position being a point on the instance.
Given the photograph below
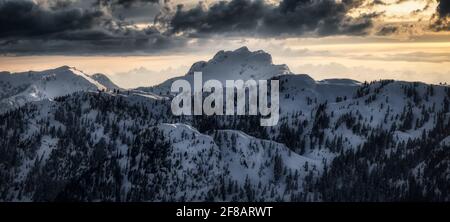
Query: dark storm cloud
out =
(124, 3)
(256, 17)
(108, 26)
(236, 15)
(442, 16)
(443, 8)
(27, 27)
(94, 42)
(387, 30)
(26, 18)
(377, 2)
(59, 4)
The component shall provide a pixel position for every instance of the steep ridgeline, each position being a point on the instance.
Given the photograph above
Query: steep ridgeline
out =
(105, 81)
(17, 89)
(337, 140)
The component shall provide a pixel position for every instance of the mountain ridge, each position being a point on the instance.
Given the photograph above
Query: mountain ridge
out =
(337, 140)
(20, 88)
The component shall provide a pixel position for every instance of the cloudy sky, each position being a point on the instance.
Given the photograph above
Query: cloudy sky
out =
(360, 39)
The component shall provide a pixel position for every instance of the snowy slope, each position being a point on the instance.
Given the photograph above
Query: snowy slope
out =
(193, 166)
(337, 140)
(148, 155)
(105, 81)
(19, 88)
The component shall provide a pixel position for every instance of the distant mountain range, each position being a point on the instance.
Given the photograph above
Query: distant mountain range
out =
(69, 136)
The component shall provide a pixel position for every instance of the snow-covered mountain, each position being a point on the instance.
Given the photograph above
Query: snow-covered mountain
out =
(240, 64)
(19, 88)
(337, 140)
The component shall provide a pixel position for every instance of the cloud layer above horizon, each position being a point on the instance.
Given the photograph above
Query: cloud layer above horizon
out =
(359, 39)
(75, 27)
